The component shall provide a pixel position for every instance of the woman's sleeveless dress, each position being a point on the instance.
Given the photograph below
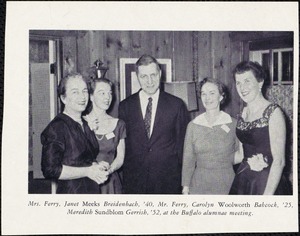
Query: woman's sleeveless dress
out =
(256, 140)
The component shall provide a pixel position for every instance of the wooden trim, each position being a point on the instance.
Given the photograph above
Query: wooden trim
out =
(258, 35)
(56, 34)
(195, 55)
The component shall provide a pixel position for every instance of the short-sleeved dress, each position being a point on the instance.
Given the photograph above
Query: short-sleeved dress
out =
(209, 155)
(256, 140)
(108, 144)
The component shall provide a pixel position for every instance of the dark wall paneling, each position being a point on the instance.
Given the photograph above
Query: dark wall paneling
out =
(69, 48)
(204, 55)
(204, 63)
(136, 43)
(116, 46)
(254, 35)
(217, 54)
(83, 52)
(195, 55)
(97, 44)
(236, 57)
(183, 56)
(221, 61)
(164, 44)
(110, 46)
(271, 43)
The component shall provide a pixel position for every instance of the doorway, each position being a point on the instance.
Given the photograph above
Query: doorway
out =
(44, 75)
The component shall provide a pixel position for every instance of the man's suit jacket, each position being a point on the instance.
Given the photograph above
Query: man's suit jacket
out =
(154, 165)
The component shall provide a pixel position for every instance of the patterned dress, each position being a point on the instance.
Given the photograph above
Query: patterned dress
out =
(256, 140)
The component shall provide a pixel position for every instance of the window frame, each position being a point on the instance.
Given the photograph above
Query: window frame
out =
(257, 56)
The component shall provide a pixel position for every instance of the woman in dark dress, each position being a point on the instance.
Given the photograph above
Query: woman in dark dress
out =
(69, 146)
(262, 131)
(110, 133)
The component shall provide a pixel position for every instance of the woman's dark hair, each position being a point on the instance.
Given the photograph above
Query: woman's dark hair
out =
(92, 86)
(221, 87)
(61, 89)
(257, 70)
(93, 83)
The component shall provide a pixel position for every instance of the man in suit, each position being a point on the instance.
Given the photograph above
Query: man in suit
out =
(155, 123)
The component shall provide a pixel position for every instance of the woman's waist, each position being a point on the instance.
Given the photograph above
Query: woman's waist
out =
(201, 164)
(78, 163)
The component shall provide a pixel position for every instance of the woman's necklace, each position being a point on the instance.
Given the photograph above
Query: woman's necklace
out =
(103, 124)
(102, 136)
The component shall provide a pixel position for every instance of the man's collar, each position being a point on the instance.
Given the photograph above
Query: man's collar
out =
(146, 96)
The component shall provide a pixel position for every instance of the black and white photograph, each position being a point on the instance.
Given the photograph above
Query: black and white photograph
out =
(127, 118)
(241, 146)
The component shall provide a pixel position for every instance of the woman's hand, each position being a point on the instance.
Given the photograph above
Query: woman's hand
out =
(103, 165)
(92, 122)
(97, 173)
(185, 190)
(118, 161)
(257, 162)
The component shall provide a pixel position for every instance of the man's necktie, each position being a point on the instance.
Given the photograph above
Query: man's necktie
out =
(147, 119)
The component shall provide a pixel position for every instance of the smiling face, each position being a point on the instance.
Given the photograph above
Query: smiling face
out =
(211, 96)
(102, 96)
(247, 86)
(76, 96)
(149, 78)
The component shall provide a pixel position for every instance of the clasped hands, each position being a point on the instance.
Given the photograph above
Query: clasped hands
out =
(257, 162)
(99, 172)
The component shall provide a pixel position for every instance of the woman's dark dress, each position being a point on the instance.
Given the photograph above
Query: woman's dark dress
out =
(108, 149)
(255, 139)
(65, 143)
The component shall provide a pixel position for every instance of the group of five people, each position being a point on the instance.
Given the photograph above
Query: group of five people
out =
(158, 150)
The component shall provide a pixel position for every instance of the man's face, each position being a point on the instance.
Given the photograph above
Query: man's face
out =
(149, 78)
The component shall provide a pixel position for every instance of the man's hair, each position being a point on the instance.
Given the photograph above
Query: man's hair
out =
(146, 60)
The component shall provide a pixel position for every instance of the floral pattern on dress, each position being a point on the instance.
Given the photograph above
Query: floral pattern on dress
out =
(258, 123)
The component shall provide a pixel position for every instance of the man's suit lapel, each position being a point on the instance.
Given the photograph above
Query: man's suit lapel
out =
(158, 116)
(139, 115)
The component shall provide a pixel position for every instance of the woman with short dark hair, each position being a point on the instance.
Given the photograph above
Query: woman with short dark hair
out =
(69, 146)
(262, 131)
(110, 133)
(211, 147)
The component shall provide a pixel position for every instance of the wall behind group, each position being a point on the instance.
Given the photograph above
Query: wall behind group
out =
(110, 46)
(194, 55)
